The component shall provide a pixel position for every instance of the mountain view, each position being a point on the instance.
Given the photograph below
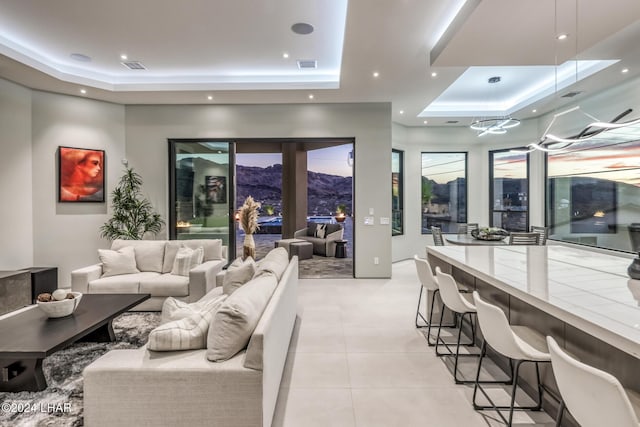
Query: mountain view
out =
(325, 191)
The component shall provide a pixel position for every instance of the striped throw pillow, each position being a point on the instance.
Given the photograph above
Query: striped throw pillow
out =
(186, 259)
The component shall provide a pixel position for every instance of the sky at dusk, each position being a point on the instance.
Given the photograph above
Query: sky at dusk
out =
(332, 160)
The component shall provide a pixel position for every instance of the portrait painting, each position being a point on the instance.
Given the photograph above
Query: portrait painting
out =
(216, 187)
(81, 175)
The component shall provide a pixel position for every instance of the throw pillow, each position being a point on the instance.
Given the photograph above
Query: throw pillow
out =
(189, 333)
(175, 309)
(235, 321)
(321, 230)
(185, 260)
(149, 253)
(238, 274)
(122, 261)
(275, 262)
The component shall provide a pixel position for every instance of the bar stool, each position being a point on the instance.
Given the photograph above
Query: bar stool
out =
(452, 299)
(427, 283)
(519, 343)
(436, 232)
(595, 398)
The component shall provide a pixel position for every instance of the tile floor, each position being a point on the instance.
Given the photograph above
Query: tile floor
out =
(356, 359)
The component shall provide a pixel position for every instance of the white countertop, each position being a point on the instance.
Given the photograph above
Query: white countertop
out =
(588, 290)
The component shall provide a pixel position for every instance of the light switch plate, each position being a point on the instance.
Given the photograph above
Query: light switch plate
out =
(370, 211)
(384, 220)
(369, 220)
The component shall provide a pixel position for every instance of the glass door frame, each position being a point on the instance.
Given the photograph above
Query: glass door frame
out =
(172, 224)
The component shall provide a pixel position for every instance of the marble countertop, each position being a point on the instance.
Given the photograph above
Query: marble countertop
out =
(586, 289)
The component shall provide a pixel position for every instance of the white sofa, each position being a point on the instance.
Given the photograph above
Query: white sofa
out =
(182, 388)
(154, 259)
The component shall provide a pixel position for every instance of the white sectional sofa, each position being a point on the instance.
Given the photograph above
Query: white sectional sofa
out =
(182, 388)
(154, 259)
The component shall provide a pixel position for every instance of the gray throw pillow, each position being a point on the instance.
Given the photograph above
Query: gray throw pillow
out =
(238, 274)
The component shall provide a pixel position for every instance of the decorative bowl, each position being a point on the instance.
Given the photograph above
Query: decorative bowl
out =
(493, 234)
(65, 307)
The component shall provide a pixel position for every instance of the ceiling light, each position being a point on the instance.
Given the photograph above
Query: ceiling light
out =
(80, 57)
(376, 74)
(124, 57)
(425, 122)
(625, 70)
(401, 111)
(494, 125)
(83, 91)
(209, 97)
(534, 111)
(562, 36)
(302, 28)
(434, 74)
(285, 55)
(311, 96)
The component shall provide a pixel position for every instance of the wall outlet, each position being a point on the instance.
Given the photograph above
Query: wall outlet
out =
(376, 260)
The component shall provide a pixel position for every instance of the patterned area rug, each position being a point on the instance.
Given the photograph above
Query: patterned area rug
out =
(61, 403)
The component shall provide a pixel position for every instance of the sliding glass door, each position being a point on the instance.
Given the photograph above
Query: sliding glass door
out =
(201, 195)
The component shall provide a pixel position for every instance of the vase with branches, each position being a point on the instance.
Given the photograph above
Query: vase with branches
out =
(133, 214)
(249, 223)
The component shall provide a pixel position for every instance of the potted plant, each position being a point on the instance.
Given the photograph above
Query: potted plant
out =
(341, 213)
(248, 216)
(133, 214)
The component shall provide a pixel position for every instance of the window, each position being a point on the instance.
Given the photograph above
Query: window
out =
(397, 192)
(509, 190)
(593, 193)
(444, 191)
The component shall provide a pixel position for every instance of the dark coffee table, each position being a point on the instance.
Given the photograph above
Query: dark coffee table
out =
(26, 338)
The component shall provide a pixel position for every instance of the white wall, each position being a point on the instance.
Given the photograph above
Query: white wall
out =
(66, 235)
(16, 206)
(149, 127)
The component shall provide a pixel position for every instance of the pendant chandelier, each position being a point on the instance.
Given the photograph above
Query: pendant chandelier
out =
(494, 125)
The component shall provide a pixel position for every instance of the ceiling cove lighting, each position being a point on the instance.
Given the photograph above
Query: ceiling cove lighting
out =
(494, 125)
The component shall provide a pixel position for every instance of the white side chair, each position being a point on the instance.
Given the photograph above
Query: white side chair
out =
(519, 343)
(595, 398)
(427, 283)
(452, 299)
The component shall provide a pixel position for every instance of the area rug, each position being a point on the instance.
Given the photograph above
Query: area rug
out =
(61, 403)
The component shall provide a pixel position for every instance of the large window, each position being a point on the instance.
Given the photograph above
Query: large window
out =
(444, 191)
(397, 196)
(593, 193)
(509, 190)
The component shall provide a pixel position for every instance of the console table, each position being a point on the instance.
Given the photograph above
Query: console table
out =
(15, 290)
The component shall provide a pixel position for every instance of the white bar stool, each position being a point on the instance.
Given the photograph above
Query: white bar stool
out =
(427, 283)
(595, 398)
(519, 343)
(452, 299)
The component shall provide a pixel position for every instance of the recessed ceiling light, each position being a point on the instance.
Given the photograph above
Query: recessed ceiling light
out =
(434, 74)
(425, 122)
(310, 96)
(625, 70)
(401, 111)
(534, 111)
(209, 97)
(285, 55)
(83, 91)
(124, 57)
(80, 57)
(376, 74)
(562, 36)
(302, 28)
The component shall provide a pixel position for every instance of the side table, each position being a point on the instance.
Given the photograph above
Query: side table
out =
(341, 248)
(43, 279)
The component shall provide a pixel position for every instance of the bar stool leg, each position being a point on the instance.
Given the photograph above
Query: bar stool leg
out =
(429, 323)
(560, 414)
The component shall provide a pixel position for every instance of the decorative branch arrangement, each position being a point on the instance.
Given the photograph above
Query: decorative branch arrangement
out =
(133, 215)
(249, 224)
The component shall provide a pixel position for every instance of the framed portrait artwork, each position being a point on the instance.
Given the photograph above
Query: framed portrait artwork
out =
(216, 187)
(80, 175)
